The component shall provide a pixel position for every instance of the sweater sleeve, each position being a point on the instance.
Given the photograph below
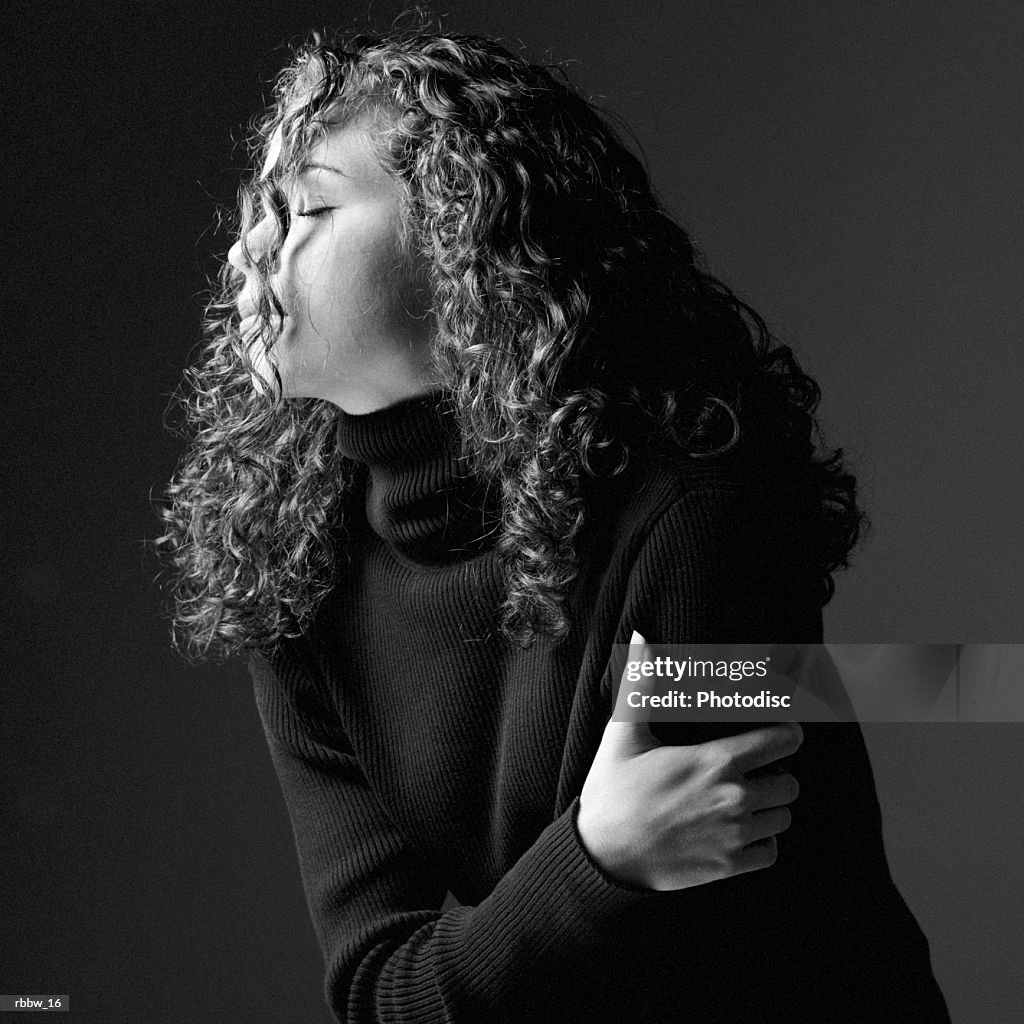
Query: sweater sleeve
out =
(823, 933)
(391, 955)
(712, 570)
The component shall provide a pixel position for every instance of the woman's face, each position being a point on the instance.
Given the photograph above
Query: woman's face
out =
(356, 328)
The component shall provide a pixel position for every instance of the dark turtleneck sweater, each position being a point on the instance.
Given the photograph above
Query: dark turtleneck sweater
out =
(420, 754)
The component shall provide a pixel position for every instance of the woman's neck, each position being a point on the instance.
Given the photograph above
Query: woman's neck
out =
(420, 498)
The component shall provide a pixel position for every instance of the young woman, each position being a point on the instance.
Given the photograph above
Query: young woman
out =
(471, 414)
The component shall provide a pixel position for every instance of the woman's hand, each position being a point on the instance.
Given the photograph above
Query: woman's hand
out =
(671, 817)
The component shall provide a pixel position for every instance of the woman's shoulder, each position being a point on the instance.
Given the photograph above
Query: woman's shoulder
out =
(660, 483)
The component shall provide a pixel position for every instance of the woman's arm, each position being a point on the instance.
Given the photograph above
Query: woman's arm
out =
(555, 927)
(823, 933)
(391, 955)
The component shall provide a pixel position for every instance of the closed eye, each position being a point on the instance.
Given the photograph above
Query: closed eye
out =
(315, 212)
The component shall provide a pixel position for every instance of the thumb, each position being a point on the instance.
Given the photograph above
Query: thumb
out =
(627, 732)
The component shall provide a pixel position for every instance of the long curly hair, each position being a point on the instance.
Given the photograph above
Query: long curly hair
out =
(575, 324)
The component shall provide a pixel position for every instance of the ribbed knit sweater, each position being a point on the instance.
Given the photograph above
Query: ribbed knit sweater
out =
(421, 754)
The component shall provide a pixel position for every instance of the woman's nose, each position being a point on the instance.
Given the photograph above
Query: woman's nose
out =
(258, 241)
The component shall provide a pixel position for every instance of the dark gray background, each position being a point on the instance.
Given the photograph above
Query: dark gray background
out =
(852, 169)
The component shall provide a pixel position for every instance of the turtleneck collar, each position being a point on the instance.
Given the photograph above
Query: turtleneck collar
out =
(419, 498)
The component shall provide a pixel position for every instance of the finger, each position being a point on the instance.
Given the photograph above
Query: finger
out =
(771, 791)
(769, 823)
(626, 725)
(754, 749)
(775, 768)
(761, 853)
(632, 679)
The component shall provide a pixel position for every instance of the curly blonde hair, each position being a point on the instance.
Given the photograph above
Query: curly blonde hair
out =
(575, 322)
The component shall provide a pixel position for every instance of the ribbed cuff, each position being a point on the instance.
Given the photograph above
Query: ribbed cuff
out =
(542, 919)
(613, 883)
